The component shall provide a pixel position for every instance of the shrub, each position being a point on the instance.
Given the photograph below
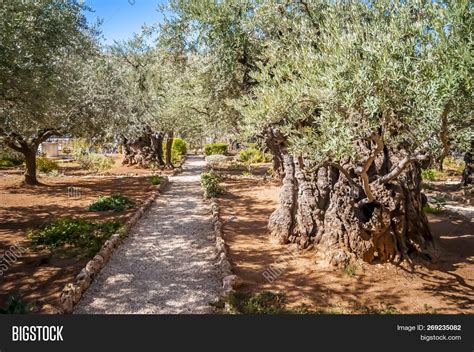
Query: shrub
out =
(428, 174)
(179, 147)
(156, 180)
(210, 184)
(10, 158)
(95, 162)
(215, 148)
(260, 303)
(14, 305)
(246, 173)
(75, 232)
(216, 160)
(253, 156)
(115, 202)
(46, 165)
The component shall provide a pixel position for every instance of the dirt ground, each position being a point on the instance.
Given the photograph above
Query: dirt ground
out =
(445, 286)
(37, 276)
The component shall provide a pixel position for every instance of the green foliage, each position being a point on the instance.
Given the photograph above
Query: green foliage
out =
(115, 202)
(77, 233)
(210, 184)
(439, 203)
(429, 174)
(216, 148)
(246, 173)
(179, 148)
(95, 162)
(259, 303)
(351, 270)
(10, 158)
(253, 156)
(46, 165)
(156, 180)
(14, 305)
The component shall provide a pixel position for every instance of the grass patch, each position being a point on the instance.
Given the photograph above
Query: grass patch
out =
(156, 180)
(77, 233)
(115, 202)
(256, 303)
(14, 305)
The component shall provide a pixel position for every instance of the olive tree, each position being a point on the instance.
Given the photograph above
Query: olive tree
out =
(357, 96)
(50, 75)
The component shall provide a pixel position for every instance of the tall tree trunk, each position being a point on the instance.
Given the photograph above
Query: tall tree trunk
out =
(28, 147)
(169, 146)
(158, 147)
(332, 207)
(30, 162)
(466, 178)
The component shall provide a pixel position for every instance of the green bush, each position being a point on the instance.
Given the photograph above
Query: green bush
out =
(115, 202)
(260, 303)
(179, 148)
(215, 148)
(156, 180)
(46, 165)
(10, 158)
(253, 156)
(210, 184)
(95, 162)
(14, 305)
(429, 174)
(74, 232)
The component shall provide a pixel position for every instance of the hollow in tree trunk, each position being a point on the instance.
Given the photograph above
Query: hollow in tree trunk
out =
(332, 207)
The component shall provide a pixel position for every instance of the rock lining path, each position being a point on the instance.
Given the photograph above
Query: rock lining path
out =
(167, 264)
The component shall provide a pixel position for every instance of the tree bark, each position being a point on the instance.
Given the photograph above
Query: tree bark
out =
(329, 206)
(466, 178)
(28, 147)
(169, 146)
(145, 150)
(30, 162)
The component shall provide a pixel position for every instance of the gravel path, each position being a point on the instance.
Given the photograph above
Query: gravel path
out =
(167, 264)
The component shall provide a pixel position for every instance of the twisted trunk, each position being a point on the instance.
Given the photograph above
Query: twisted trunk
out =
(169, 147)
(374, 213)
(144, 150)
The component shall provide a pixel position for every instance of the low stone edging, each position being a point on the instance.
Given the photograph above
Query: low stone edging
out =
(72, 292)
(230, 282)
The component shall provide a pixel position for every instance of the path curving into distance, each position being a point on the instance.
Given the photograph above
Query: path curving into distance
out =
(167, 264)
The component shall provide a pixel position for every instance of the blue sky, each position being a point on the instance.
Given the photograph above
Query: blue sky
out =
(122, 18)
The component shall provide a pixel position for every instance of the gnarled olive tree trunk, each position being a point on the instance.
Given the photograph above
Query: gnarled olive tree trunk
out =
(379, 219)
(144, 150)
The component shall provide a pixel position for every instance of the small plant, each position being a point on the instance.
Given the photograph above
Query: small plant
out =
(46, 165)
(246, 173)
(15, 305)
(95, 162)
(381, 309)
(210, 184)
(439, 203)
(259, 303)
(156, 180)
(270, 171)
(115, 202)
(74, 232)
(54, 173)
(215, 148)
(253, 156)
(350, 270)
(429, 174)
